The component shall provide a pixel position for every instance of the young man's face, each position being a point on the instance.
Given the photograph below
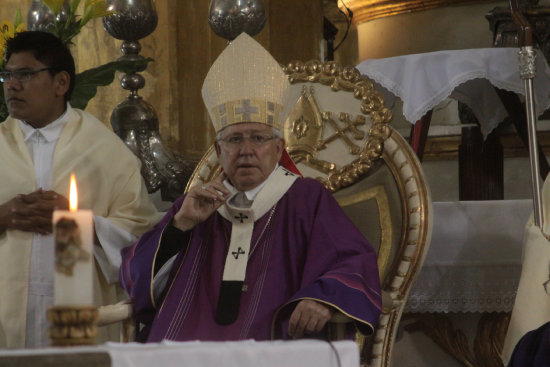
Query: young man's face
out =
(249, 164)
(38, 100)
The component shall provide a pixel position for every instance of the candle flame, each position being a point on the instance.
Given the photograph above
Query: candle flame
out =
(73, 195)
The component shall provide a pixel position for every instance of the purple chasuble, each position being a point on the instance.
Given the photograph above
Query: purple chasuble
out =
(305, 247)
(533, 349)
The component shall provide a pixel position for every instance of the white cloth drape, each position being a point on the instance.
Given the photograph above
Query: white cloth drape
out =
(424, 80)
(474, 261)
(246, 353)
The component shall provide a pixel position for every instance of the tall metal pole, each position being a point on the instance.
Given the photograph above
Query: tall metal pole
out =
(527, 70)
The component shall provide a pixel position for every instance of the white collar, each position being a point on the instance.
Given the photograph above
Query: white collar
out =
(252, 193)
(50, 132)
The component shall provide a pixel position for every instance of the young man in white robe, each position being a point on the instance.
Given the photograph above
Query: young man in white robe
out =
(42, 142)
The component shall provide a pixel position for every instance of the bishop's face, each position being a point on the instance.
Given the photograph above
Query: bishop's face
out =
(38, 99)
(248, 153)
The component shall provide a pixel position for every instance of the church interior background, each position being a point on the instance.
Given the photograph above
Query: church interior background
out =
(183, 48)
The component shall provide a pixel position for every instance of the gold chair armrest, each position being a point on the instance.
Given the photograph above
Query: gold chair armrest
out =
(337, 326)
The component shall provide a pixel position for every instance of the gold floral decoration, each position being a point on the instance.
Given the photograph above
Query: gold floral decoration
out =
(8, 30)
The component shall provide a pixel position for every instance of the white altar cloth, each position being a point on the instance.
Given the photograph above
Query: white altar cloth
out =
(474, 260)
(424, 80)
(247, 353)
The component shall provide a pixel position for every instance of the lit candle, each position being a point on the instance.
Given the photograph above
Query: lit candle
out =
(73, 234)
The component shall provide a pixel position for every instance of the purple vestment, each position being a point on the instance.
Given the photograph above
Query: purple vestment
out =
(306, 248)
(533, 349)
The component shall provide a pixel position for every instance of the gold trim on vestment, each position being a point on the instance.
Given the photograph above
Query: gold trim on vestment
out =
(246, 110)
(320, 301)
(153, 267)
(177, 272)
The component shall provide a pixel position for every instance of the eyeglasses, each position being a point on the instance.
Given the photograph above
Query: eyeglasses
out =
(20, 75)
(238, 140)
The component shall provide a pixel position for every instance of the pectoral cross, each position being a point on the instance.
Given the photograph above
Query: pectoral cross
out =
(237, 253)
(241, 217)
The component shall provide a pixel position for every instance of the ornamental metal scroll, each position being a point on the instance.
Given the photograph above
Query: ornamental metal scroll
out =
(304, 126)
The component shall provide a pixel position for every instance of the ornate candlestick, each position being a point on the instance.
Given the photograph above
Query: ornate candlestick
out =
(134, 120)
(72, 325)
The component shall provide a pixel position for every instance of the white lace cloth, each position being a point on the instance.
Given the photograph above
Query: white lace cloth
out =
(424, 80)
(246, 353)
(474, 260)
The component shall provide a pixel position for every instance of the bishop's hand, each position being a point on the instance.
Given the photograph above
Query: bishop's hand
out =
(31, 212)
(308, 317)
(200, 202)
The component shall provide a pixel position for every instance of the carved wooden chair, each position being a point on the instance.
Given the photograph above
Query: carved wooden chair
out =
(337, 132)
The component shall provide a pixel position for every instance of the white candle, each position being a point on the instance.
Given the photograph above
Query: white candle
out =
(73, 234)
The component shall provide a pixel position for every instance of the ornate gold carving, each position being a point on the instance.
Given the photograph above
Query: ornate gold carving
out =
(303, 131)
(341, 133)
(300, 127)
(340, 78)
(72, 325)
(491, 331)
(441, 330)
(400, 290)
(371, 103)
(366, 10)
(403, 165)
(489, 340)
(414, 210)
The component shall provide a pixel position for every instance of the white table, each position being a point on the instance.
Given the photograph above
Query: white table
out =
(422, 81)
(208, 354)
(474, 260)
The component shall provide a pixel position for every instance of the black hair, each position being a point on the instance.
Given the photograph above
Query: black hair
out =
(46, 48)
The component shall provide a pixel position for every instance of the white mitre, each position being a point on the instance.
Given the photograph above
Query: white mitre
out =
(245, 84)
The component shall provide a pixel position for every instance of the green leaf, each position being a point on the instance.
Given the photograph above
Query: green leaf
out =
(74, 5)
(18, 19)
(87, 82)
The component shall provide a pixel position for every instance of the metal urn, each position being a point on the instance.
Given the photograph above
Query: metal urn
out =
(229, 18)
(135, 120)
(40, 17)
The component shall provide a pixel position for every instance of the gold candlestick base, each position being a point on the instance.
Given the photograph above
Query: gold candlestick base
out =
(72, 325)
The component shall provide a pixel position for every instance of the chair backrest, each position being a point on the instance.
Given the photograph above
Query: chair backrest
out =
(337, 132)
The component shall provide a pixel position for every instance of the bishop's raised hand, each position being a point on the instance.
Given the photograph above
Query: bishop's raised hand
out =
(200, 202)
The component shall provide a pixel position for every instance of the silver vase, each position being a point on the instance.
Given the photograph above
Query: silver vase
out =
(40, 17)
(229, 18)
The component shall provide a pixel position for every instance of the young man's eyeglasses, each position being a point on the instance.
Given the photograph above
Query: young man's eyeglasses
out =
(20, 75)
(238, 140)
(546, 286)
